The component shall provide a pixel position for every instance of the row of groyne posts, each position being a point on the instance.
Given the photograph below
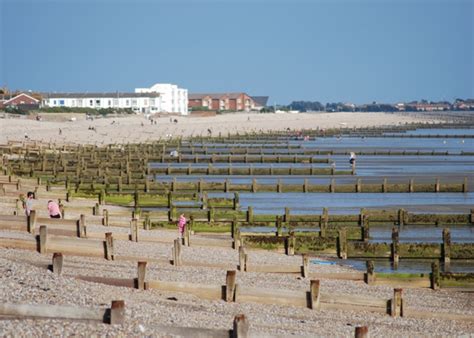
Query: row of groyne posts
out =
(336, 231)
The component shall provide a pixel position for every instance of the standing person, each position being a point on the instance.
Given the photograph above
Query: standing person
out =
(353, 158)
(181, 225)
(53, 209)
(29, 202)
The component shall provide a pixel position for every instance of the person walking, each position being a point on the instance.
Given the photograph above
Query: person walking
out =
(181, 225)
(53, 209)
(29, 202)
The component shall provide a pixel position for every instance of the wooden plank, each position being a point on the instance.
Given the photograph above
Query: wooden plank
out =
(51, 311)
(404, 283)
(29, 244)
(211, 292)
(356, 276)
(274, 268)
(265, 296)
(190, 331)
(416, 313)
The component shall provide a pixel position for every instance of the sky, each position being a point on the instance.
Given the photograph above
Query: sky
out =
(321, 50)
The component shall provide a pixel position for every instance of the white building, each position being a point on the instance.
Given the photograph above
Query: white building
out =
(139, 102)
(173, 99)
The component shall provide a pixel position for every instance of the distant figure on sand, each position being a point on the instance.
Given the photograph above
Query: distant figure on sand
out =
(29, 202)
(353, 158)
(181, 225)
(53, 209)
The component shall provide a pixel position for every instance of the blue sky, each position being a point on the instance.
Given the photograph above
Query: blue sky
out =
(350, 51)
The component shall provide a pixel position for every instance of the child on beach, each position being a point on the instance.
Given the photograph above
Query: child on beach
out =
(53, 209)
(181, 225)
(28, 204)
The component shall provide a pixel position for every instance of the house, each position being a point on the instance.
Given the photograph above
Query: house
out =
(172, 98)
(260, 102)
(22, 101)
(138, 102)
(223, 101)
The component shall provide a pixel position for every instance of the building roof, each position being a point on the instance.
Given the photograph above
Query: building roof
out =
(17, 96)
(215, 95)
(260, 100)
(96, 95)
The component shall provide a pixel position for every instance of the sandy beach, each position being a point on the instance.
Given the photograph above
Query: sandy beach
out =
(137, 128)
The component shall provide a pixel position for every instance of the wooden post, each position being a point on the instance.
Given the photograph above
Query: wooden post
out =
(109, 246)
(361, 332)
(324, 220)
(279, 187)
(384, 185)
(464, 185)
(353, 169)
(241, 327)
(446, 246)
(236, 205)
(31, 222)
(278, 225)
(359, 185)
(187, 235)
(43, 239)
(250, 214)
(401, 217)
(397, 303)
(290, 244)
(102, 197)
(141, 271)
(437, 185)
(304, 266)
(57, 263)
(332, 186)
(287, 215)
(411, 185)
(242, 254)
(230, 285)
(305, 185)
(342, 243)
(134, 230)
(82, 231)
(205, 200)
(117, 312)
(315, 294)
(177, 252)
(105, 219)
(365, 228)
(435, 278)
(395, 247)
(370, 274)
(254, 185)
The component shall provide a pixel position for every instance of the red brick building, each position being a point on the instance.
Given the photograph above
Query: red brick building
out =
(21, 100)
(222, 101)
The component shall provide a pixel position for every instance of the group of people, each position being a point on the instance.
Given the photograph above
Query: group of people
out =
(53, 207)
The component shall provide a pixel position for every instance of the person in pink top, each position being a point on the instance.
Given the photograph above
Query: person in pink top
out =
(181, 225)
(53, 209)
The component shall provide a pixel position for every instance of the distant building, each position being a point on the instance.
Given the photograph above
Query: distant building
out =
(172, 98)
(432, 106)
(260, 102)
(223, 101)
(138, 102)
(22, 101)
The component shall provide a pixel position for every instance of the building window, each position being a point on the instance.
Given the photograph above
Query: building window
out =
(145, 102)
(116, 102)
(152, 102)
(134, 102)
(79, 102)
(61, 102)
(127, 103)
(54, 102)
(97, 103)
(91, 102)
(110, 103)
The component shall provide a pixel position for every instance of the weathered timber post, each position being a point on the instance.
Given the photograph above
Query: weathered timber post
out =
(236, 205)
(384, 185)
(401, 217)
(57, 263)
(226, 185)
(279, 186)
(187, 236)
(117, 312)
(332, 185)
(290, 244)
(395, 247)
(315, 296)
(205, 200)
(361, 332)
(242, 260)
(397, 303)
(177, 252)
(365, 228)
(353, 168)
(240, 327)
(278, 224)
(411, 185)
(370, 274)
(141, 271)
(31, 222)
(82, 231)
(434, 277)
(105, 219)
(250, 214)
(95, 209)
(342, 243)
(305, 185)
(134, 230)
(230, 285)
(43, 239)
(446, 247)
(304, 266)
(323, 223)
(287, 215)
(464, 185)
(119, 184)
(147, 222)
(437, 185)
(174, 185)
(211, 214)
(109, 246)
(254, 185)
